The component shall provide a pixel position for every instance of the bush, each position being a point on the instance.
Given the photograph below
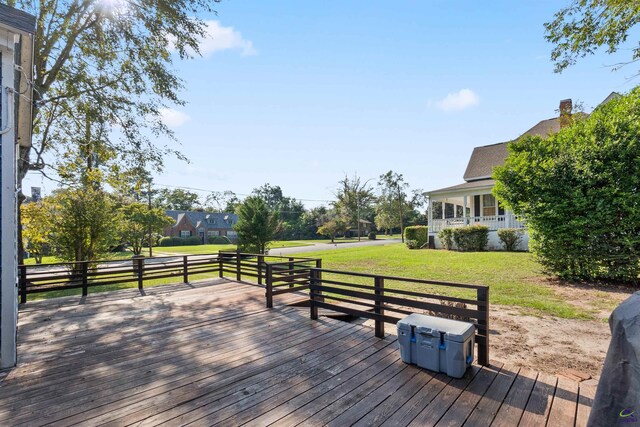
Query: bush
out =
(180, 241)
(219, 240)
(412, 244)
(446, 238)
(510, 238)
(372, 235)
(417, 233)
(471, 239)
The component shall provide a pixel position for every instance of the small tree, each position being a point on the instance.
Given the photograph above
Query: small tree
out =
(137, 220)
(85, 224)
(37, 224)
(332, 228)
(257, 225)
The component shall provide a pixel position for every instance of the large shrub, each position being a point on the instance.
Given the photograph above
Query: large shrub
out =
(510, 238)
(257, 225)
(579, 192)
(180, 241)
(473, 238)
(446, 238)
(418, 234)
(372, 235)
(219, 240)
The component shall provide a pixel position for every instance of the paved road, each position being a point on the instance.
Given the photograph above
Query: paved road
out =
(330, 246)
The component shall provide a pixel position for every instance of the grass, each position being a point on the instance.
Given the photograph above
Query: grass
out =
(53, 259)
(514, 278)
(212, 249)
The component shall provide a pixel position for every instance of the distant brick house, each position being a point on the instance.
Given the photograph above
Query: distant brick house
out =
(201, 224)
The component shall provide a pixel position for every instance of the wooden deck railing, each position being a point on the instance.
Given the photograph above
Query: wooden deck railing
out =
(385, 304)
(385, 299)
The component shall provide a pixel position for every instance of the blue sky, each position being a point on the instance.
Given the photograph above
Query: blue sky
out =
(298, 94)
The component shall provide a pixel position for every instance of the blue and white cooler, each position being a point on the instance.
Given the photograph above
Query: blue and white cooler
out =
(437, 344)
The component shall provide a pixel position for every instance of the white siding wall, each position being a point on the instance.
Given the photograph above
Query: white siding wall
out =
(494, 242)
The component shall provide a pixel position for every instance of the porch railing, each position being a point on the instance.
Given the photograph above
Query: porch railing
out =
(494, 222)
(387, 299)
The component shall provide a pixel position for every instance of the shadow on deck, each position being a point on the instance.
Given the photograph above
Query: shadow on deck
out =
(210, 353)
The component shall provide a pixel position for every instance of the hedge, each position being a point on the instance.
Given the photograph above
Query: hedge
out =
(180, 241)
(510, 238)
(472, 238)
(418, 235)
(219, 240)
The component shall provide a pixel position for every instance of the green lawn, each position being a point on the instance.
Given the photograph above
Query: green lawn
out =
(53, 259)
(212, 249)
(514, 278)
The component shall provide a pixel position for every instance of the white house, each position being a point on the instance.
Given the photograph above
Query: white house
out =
(16, 65)
(472, 202)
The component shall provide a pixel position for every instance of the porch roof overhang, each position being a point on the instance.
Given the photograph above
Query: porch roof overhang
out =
(473, 187)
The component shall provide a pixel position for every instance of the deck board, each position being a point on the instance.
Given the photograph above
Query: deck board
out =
(210, 353)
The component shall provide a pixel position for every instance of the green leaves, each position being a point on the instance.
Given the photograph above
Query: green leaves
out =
(579, 192)
(257, 225)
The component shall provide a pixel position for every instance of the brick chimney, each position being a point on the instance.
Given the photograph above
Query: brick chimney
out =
(566, 105)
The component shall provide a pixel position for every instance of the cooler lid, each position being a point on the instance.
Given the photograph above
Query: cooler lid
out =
(455, 330)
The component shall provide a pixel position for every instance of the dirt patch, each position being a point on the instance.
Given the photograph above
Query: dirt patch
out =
(548, 344)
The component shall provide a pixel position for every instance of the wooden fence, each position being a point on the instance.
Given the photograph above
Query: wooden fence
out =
(385, 299)
(385, 304)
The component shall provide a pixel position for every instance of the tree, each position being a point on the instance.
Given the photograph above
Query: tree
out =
(585, 26)
(392, 202)
(108, 65)
(219, 201)
(177, 199)
(289, 210)
(333, 227)
(85, 224)
(257, 226)
(354, 201)
(37, 226)
(579, 192)
(137, 220)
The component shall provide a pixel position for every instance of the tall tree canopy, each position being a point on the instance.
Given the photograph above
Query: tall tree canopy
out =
(579, 192)
(103, 71)
(585, 26)
(177, 199)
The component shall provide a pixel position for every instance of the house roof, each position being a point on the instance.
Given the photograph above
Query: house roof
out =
(16, 18)
(464, 186)
(484, 159)
(201, 219)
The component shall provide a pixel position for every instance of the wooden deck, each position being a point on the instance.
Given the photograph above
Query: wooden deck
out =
(211, 354)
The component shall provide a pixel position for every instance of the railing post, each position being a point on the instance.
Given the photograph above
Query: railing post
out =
(483, 348)
(313, 293)
(269, 287)
(319, 278)
(290, 266)
(260, 263)
(220, 264)
(85, 279)
(185, 269)
(140, 262)
(238, 267)
(378, 284)
(23, 284)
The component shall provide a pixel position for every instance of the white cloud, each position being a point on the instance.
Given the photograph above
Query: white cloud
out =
(221, 38)
(458, 101)
(173, 118)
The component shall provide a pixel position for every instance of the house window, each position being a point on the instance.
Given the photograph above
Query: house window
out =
(232, 234)
(212, 233)
(436, 210)
(185, 233)
(459, 211)
(488, 205)
(449, 210)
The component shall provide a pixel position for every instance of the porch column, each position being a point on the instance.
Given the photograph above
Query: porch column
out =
(464, 209)
(430, 212)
